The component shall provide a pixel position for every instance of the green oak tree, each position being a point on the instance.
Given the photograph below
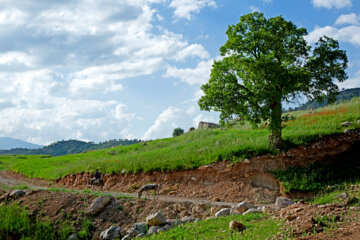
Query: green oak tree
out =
(266, 62)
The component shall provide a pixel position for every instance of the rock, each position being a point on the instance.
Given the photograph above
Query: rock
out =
(174, 222)
(347, 131)
(265, 209)
(252, 210)
(153, 230)
(179, 208)
(123, 171)
(342, 195)
(282, 202)
(126, 237)
(243, 207)
(188, 219)
(5, 196)
(358, 121)
(74, 236)
(197, 209)
(17, 194)
(141, 235)
(156, 219)
(346, 124)
(184, 214)
(167, 227)
(97, 205)
(222, 212)
(140, 227)
(236, 226)
(290, 218)
(113, 232)
(205, 125)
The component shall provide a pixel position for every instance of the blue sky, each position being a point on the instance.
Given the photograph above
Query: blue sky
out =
(98, 70)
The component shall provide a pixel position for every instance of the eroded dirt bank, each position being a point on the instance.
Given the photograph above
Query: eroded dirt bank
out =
(226, 181)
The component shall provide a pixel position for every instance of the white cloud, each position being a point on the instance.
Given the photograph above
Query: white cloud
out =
(163, 124)
(192, 76)
(185, 8)
(350, 34)
(267, 1)
(353, 82)
(348, 19)
(12, 16)
(14, 58)
(332, 3)
(254, 9)
(192, 50)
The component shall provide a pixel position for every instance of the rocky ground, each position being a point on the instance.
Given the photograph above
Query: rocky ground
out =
(199, 193)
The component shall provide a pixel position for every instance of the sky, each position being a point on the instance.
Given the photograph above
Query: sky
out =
(96, 70)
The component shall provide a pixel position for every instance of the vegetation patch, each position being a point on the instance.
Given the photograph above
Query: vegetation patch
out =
(340, 170)
(15, 223)
(258, 226)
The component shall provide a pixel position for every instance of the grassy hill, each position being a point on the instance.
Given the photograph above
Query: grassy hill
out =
(69, 147)
(190, 150)
(343, 96)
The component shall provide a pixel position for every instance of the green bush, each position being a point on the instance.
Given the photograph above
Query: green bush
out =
(178, 132)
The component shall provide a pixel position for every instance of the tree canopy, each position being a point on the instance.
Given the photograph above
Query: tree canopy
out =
(266, 62)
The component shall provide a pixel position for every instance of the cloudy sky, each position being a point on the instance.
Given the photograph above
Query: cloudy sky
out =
(104, 69)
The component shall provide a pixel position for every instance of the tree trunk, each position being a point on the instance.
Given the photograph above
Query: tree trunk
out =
(275, 140)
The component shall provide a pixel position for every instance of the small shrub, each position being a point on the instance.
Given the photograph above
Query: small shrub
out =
(178, 132)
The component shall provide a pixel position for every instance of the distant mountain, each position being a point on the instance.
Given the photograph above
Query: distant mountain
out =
(7, 143)
(69, 147)
(344, 95)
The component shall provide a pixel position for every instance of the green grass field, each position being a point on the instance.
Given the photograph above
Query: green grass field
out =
(190, 150)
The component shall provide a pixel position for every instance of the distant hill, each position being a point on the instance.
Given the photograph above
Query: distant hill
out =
(68, 147)
(7, 143)
(344, 95)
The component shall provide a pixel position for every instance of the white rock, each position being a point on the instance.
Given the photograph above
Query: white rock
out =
(243, 207)
(222, 212)
(113, 232)
(252, 210)
(282, 202)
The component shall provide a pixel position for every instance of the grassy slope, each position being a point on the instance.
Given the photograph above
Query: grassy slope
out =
(190, 150)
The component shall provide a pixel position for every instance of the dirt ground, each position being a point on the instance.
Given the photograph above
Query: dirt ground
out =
(225, 183)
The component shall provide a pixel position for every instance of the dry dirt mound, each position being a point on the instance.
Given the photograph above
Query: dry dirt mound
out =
(70, 209)
(226, 181)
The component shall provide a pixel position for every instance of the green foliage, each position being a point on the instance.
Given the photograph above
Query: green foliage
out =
(318, 176)
(85, 233)
(258, 226)
(16, 224)
(266, 62)
(177, 132)
(190, 150)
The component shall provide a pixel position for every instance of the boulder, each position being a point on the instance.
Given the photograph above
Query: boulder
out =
(243, 207)
(205, 125)
(126, 237)
(153, 230)
(97, 205)
(222, 212)
(17, 194)
(252, 210)
(236, 226)
(74, 236)
(188, 219)
(156, 219)
(141, 227)
(282, 202)
(113, 232)
(174, 222)
(346, 124)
